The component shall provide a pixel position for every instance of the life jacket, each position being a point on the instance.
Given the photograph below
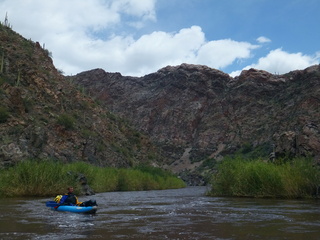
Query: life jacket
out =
(69, 199)
(57, 198)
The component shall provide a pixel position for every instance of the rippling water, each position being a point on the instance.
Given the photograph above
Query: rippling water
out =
(167, 214)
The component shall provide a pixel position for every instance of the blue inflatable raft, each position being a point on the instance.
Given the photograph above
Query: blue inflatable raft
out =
(67, 208)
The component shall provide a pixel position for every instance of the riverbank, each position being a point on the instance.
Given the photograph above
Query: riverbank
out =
(47, 178)
(239, 177)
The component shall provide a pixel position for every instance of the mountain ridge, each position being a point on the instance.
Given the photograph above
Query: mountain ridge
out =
(194, 112)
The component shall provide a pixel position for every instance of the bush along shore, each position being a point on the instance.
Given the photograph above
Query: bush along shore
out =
(238, 177)
(48, 178)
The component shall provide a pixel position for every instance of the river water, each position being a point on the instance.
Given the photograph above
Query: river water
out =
(168, 214)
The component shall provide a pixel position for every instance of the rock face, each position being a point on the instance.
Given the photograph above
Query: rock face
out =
(43, 116)
(195, 112)
(184, 115)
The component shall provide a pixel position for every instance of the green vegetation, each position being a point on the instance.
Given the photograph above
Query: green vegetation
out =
(247, 151)
(4, 114)
(48, 178)
(66, 121)
(297, 178)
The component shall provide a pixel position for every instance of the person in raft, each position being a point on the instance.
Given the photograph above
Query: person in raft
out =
(71, 199)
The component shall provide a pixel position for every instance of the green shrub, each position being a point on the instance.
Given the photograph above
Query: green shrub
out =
(66, 121)
(248, 151)
(4, 115)
(28, 104)
(153, 170)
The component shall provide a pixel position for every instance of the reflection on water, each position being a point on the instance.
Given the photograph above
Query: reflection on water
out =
(168, 214)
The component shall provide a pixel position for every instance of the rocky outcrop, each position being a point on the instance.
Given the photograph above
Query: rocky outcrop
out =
(195, 112)
(43, 116)
(305, 142)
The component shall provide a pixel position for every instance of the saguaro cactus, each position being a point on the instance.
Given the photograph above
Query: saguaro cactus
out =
(18, 78)
(2, 63)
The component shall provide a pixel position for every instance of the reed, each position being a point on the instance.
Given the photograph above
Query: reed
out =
(298, 178)
(31, 178)
(47, 178)
(105, 180)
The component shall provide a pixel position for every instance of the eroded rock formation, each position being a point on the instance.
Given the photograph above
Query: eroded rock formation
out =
(195, 112)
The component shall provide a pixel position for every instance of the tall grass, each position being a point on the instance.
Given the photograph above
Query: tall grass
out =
(31, 178)
(48, 178)
(298, 178)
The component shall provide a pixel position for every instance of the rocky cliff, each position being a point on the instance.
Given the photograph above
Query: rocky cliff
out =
(182, 118)
(44, 116)
(195, 112)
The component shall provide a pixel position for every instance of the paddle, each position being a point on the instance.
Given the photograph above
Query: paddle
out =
(52, 204)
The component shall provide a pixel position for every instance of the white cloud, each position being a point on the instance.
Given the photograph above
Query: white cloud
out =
(37, 18)
(158, 49)
(140, 8)
(280, 62)
(263, 39)
(221, 53)
(76, 31)
(236, 73)
(153, 51)
(68, 30)
(83, 35)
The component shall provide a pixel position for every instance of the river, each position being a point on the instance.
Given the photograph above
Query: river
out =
(168, 214)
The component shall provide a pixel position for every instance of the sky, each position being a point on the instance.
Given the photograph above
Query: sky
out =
(138, 37)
